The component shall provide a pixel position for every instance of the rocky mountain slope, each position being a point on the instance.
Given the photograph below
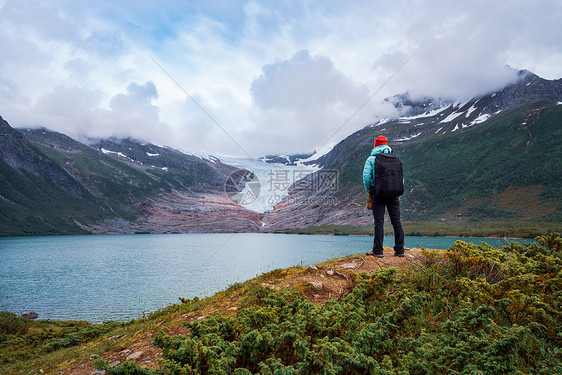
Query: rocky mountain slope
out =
(52, 184)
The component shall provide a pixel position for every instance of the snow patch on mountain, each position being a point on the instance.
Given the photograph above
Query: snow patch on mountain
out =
(451, 117)
(323, 150)
(427, 114)
(480, 119)
(103, 150)
(408, 138)
(472, 109)
(380, 122)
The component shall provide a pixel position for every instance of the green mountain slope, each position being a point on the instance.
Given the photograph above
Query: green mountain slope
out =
(509, 167)
(52, 184)
(31, 206)
(506, 169)
(36, 195)
(493, 158)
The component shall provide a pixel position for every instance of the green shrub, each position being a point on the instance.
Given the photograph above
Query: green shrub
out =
(11, 324)
(45, 336)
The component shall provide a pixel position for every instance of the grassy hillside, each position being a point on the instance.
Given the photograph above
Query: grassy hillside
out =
(30, 205)
(470, 309)
(34, 205)
(183, 170)
(508, 169)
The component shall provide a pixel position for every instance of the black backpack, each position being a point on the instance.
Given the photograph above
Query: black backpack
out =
(389, 176)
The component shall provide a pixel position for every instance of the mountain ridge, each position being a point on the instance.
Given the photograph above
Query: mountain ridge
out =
(128, 186)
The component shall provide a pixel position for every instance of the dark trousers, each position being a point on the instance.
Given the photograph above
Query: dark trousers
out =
(393, 206)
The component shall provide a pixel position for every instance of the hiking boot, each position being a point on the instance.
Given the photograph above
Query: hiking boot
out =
(375, 255)
(401, 255)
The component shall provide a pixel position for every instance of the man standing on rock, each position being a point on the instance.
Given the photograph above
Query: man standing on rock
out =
(383, 180)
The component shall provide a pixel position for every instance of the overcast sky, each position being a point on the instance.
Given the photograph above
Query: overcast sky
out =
(267, 76)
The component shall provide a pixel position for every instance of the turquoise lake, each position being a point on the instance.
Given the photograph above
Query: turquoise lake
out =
(118, 277)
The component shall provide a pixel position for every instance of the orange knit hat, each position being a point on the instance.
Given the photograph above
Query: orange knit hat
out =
(381, 140)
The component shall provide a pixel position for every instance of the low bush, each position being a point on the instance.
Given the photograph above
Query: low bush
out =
(11, 324)
(28, 340)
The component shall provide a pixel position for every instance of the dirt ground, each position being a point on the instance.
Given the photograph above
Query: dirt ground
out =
(320, 283)
(330, 281)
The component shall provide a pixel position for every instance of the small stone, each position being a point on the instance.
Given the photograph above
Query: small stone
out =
(323, 276)
(200, 317)
(134, 356)
(233, 308)
(114, 363)
(313, 267)
(330, 272)
(317, 285)
(348, 265)
(31, 315)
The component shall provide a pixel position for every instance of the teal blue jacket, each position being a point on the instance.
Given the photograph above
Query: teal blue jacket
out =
(369, 169)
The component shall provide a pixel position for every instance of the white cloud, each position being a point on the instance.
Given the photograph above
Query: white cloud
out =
(461, 49)
(106, 44)
(77, 112)
(304, 81)
(276, 76)
(301, 102)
